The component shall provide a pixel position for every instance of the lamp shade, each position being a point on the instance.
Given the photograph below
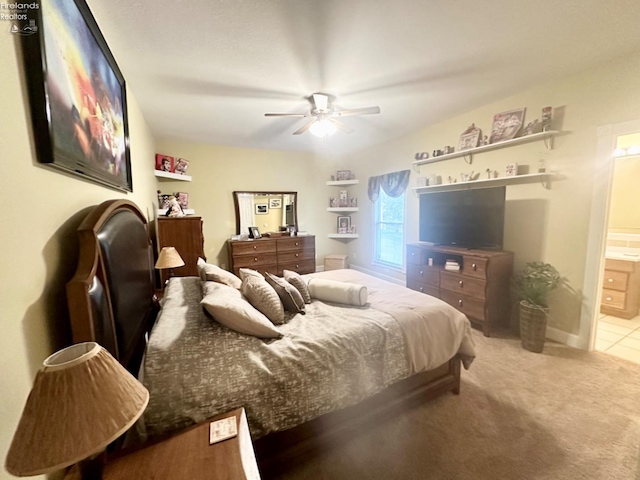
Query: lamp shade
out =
(169, 258)
(82, 400)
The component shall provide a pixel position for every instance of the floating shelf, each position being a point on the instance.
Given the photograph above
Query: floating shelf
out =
(187, 211)
(342, 209)
(543, 178)
(343, 182)
(172, 176)
(343, 235)
(486, 148)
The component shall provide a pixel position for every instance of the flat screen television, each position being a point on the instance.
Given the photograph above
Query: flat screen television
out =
(472, 218)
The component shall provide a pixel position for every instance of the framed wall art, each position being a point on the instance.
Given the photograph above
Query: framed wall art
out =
(344, 223)
(262, 208)
(165, 163)
(77, 96)
(506, 125)
(275, 203)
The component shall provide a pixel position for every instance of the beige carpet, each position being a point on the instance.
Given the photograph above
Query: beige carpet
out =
(562, 414)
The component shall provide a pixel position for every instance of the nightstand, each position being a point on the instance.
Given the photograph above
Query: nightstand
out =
(187, 455)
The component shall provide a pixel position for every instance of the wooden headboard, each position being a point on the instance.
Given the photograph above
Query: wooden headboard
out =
(111, 296)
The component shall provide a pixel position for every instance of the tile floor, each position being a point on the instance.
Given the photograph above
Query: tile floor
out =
(619, 337)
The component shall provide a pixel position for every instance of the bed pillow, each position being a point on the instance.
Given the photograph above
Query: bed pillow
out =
(249, 272)
(227, 306)
(213, 273)
(297, 281)
(264, 297)
(289, 295)
(337, 292)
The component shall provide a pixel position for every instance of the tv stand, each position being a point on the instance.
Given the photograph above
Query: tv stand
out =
(480, 289)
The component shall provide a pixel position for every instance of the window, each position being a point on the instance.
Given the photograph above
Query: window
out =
(389, 230)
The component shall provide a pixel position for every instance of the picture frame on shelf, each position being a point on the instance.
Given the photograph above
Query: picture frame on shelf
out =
(343, 198)
(507, 125)
(512, 170)
(275, 203)
(333, 202)
(262, 208)
(163, 200)
(343, 175)
(344, 223)
(77, 95)
(183, 199)
(469, 138)
(352, 229)
(254, 233)
(181, 166)
(353, 202)
(165, 163)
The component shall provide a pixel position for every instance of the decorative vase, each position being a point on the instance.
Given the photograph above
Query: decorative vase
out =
(533, 326)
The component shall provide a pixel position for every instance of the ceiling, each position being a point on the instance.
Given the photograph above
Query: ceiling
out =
(206, 71)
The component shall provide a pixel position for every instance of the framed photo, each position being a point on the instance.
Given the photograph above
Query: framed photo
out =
(181, 166)
(183, 199)
(506, 125)
(163, 200)
(344, 224)
(512, 170)
(275, 203)
(164, 163)
(343, 175)
(343, 199)
(262, 208)
(254, 232)
(352, 229)
(469, 140)
(77, 95)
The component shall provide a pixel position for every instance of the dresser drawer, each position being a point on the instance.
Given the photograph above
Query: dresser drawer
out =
(296, 256)
(302, 266)
(419, 286)
(613, 298)
(615, 280)
(252, 247)
(471, 307)
(474, 266)
(424, 274)
(295, 243)
(619, 265)
(471, 287)
(253, 261)
(417, 255)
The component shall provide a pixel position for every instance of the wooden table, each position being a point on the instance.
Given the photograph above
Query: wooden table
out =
(187, 455)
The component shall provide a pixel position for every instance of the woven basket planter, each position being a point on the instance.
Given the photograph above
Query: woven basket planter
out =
(533, 326)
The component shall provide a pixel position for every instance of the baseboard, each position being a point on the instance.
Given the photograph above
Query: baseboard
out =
(379, 275)
(569, 339)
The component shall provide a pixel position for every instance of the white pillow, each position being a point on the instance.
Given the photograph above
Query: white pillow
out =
(264, 297)
(227, 306)
(249, 272)
(213, 273)
(338, 292)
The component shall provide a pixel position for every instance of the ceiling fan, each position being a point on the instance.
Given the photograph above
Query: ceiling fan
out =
(324, 121)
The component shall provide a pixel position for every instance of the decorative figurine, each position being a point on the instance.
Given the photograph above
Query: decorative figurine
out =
(174, 210)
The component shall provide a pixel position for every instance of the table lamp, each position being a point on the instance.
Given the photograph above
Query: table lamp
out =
(82, 400)
(169, 258)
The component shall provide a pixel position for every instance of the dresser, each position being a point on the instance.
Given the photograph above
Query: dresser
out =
(480, 289)
(621, 288)
(274, 255)
(185, 234)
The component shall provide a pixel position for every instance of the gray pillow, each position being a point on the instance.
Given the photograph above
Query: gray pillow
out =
(227, 306)
(297, 281)
(263, 296)
(249, 272)
(289, 295)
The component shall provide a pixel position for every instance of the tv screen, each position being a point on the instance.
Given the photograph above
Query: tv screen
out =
(471, 218)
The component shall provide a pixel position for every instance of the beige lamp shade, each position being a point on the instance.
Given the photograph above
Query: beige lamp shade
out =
(169, 258)
(82, 400)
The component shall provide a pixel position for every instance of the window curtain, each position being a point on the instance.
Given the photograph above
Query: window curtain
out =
(394, 184)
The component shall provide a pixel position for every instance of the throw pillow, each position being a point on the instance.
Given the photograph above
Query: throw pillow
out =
(289, 295)
(263, 296)
(297, 281)
(213, 273)
(227, 306)
(249, 272)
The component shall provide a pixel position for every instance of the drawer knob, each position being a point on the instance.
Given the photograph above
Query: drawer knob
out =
(297, 254)
(608, 299)
(461, 283)
(474, 267)
(297, 244)
(421, 289)
(255, 247)
(297, 266)
(255, 259)
(610, 280)
(421, 273)
(460, 302)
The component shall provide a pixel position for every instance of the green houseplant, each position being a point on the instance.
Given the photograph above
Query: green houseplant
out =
(533, 285)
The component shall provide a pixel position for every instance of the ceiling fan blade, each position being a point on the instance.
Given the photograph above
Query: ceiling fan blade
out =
(341, 126)
(297, 115)
(320, 101)
(357, 111)
(305, 127)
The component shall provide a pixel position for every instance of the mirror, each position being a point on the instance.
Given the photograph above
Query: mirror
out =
(269, 211)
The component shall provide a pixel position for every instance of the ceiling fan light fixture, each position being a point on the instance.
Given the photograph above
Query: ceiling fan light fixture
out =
(322, 128)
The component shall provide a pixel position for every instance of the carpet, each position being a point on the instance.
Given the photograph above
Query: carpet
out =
(561, 414)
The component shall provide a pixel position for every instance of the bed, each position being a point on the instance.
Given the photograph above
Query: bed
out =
(333, 369)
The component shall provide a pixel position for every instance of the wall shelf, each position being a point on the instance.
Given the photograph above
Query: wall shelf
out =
(543, 178)
(343, 235)
(342, 209)
(486, 148)
(172, 176)
(343, 182)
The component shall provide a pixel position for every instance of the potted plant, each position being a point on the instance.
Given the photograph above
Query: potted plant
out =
(533, 286)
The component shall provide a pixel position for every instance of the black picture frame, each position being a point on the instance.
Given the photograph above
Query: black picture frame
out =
(254, 232)
(77, 96)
